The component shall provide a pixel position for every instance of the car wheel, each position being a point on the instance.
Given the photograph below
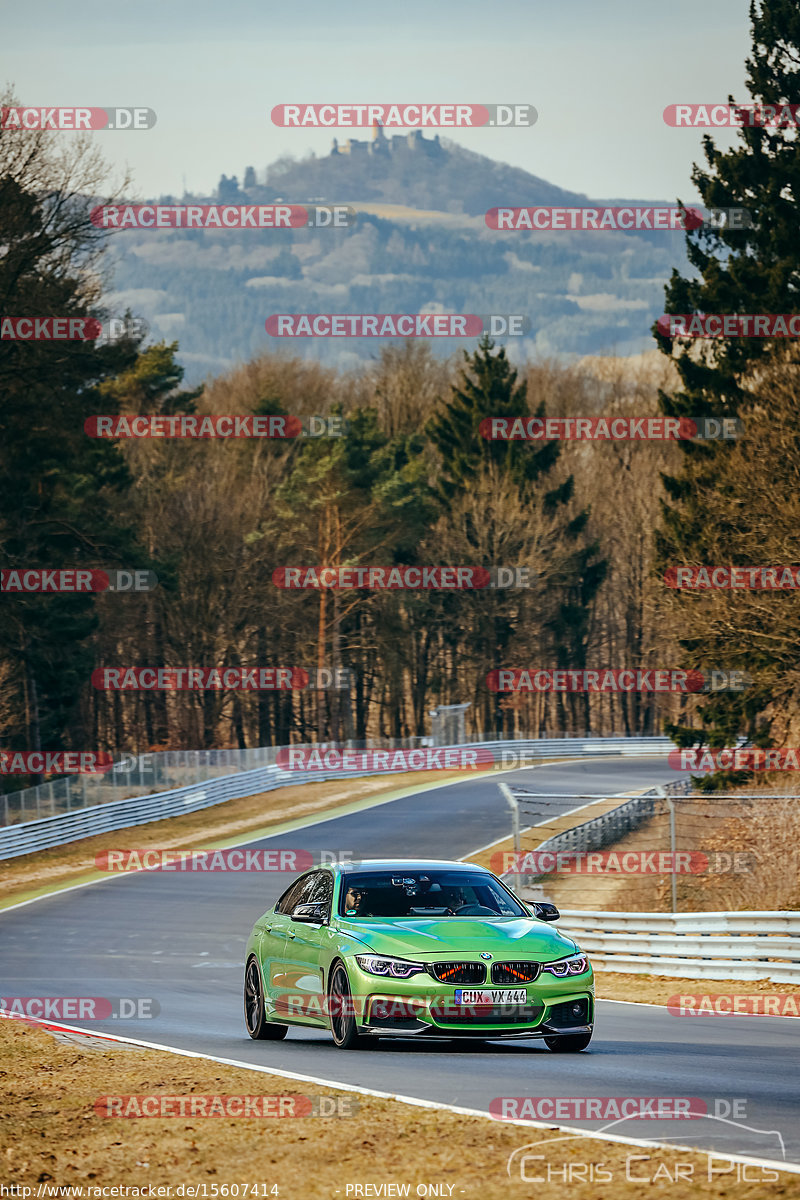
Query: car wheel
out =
(258, 1028)
(343, 1021)
(568, 1043)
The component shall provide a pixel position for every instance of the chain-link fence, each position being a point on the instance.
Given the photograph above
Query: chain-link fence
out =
(668, 850)
(146, 774)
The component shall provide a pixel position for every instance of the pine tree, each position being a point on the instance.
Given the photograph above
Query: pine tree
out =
(59, 489)
(490, 387)
(753, 270)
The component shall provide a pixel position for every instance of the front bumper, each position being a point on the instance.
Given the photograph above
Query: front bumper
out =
(427, 1008)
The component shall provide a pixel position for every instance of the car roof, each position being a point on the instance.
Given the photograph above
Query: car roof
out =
(370, 865)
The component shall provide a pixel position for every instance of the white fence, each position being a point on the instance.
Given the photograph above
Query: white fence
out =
(166, 770)
(510, 753)
(702, 945)
(107, 814)
(140, 810)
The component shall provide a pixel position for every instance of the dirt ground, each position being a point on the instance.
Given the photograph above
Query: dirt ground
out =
(53, 1137)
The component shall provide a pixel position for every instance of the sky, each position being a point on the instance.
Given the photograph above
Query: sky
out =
(598, 73)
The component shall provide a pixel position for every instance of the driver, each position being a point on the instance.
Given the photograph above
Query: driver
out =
(354, 902)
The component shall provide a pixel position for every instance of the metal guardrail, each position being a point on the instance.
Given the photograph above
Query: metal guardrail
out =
(608, 827)
(707, 945)
(166, 770)
(702, 945)
(103, 817)
(594, 834)
(511, 753)
(140, 775)
(16, 840)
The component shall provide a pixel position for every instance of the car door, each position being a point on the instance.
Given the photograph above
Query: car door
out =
(271, 930)
(302, 951)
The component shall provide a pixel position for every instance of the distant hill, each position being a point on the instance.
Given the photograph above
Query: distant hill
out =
(417, 172)
(420, 244)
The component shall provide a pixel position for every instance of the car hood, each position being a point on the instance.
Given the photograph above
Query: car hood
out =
(470, 936)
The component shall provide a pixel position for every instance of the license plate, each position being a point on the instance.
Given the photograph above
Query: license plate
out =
(505, 996)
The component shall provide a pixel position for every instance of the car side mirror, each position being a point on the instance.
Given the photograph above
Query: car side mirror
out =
(312, 914)
(544, 911)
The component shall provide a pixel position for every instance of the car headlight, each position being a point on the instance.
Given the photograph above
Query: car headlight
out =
(394, 968)
(576, 964)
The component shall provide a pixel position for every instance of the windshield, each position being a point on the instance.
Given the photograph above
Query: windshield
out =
(404, 893)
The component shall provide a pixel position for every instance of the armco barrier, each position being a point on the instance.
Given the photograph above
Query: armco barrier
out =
(86, 821)
(140, 810)
(594, 834)
(702, 945)
(511, 753)
(166, 770)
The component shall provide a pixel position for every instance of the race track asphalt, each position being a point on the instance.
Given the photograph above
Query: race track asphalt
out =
(179, 938)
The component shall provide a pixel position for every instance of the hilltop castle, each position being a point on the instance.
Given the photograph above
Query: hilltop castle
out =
(380, 144)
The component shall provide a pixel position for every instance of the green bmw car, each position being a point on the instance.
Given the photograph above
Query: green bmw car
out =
(404, 948)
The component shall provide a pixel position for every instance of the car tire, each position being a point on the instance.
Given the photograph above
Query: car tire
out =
(568, 1043)
(344, 1030)
(255, 1023)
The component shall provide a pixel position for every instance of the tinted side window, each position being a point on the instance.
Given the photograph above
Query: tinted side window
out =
(291, 896)
(303, 893)
(322, 892)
